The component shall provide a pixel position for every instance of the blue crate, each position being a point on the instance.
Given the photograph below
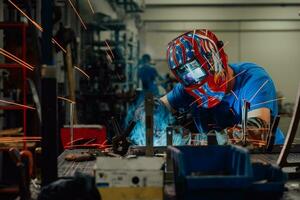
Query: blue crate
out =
(211, 172)
(223, 172)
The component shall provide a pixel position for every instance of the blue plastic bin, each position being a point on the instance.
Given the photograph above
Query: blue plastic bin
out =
(211, 172)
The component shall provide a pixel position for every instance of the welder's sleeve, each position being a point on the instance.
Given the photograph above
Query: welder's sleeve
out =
(261, 93)
(178, 98)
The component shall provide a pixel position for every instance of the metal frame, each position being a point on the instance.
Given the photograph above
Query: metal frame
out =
(23, 28)
(282, 159)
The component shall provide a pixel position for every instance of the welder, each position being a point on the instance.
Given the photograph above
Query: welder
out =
(148, 75)
(214, 90)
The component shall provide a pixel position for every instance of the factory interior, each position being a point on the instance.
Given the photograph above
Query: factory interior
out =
(149, 99)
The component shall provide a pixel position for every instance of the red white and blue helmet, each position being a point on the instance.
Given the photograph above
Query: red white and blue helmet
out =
(198, 61)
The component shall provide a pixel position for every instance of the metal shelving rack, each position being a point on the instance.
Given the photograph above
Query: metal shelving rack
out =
(22, 27)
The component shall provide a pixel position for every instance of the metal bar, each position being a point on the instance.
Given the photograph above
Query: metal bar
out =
(49, 99)
(246, 106)
(149, 103)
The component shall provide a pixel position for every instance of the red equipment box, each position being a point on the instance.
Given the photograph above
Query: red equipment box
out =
(80, 131)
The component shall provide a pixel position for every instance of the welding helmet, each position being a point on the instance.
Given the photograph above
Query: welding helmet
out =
(198, 61)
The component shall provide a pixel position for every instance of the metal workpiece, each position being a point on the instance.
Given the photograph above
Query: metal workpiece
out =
(149, 106)
(245, 109)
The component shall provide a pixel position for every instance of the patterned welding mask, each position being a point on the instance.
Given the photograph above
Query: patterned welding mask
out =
(198, 61)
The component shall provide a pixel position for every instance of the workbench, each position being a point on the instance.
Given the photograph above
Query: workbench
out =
(67, 168)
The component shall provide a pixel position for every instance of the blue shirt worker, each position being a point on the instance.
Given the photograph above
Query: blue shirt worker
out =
(215, 91)
(148, 75)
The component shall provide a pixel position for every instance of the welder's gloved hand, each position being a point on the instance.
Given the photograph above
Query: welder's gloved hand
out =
(231, 135)
(222, 137)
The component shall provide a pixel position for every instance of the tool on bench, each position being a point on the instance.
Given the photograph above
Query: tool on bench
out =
(80, 157)
(120, 143)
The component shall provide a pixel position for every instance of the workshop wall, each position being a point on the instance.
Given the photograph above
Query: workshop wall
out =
(268, 34)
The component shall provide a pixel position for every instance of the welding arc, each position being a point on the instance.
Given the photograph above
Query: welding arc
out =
(25, 15)
(55, 42)
(91, 7)
(66, 99)
(76, 12)
(16, 59)
(17, 104)
(82, 72)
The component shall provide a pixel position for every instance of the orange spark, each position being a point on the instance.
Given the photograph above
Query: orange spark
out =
(3, 139)
(104, 142)
(91, 7)
(55, 42)
(255, 129)
(83, 72)
(233, 78)
(195, 101)
(217, 52)
(234, 94)
(258, 90)
(250, 140)
(16, 59)
(66, 99)
(25, 15)
(109, 49)
(118, 75)
(17, 141)
(211, 98)
(188, 123)
(108, 57)
(76, 12)
(17, 104)
(193, 37)
(232, 111)
(268, 101)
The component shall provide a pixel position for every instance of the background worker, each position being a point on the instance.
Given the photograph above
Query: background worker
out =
(214, 90)
(148, 75)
